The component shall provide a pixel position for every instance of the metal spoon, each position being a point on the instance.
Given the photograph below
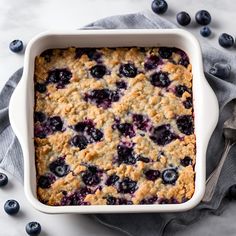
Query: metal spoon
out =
(229, 131)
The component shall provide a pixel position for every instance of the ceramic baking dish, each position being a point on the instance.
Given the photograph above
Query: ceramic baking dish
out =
(22, 106)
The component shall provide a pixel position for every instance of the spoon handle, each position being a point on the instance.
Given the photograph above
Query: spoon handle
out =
(213, 178)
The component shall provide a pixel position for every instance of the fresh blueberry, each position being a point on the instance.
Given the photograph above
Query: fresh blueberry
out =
(16, 45)
(128, 70)
(126, 129)
(125, 155)
(60, 76)
(143, 159)
(203, 17)
(98, 71)
(127, 186)
(226, 40)
(232, 192)
(112, 179)
(45, 181)
(160, 79)
(47, 54)
(183, 18)
(79, 141)
(163, 135)
(39, 116)
(90, 177)
(188, 103)
(140, 121)
(185, 124)
(123, 201)
(205, 31)
(95, 134)
(159, 6)
(11, 207)
(221, 70)
(150, 200)
(152, 174)
(186, 161)
(152, 62)
(121, 85)
(55, 123)
(41, 88)
(33, 228)
(59, 167)
(83, 126)
(165, 52)
(169, 176)
(111, 200)
(180, 89)
(3, 179)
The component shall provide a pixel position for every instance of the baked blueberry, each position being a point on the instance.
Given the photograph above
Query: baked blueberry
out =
(203, 17)
(159, 6)
(33, 228)
(165, 52)
(40, 87)
(55, 123)
(39, 116)
(183, 18)
(61, 76)
(143, 159)
(180, 89)
(98, 71)
(160, 79)
(221, 70)
(188, 103)
(112, 179)
(79, 141)
(90, 177)
(92, 53)
(16, 45)
(163, 135)
(111, 200)
(11, 207)
(127, 186)
(45, 181)
(152, 62)
(152, 174)
(185, 124)
(128, 70)
(186, 161)
(59, 167)
(169, 176)
(205, 31)
(150, 200)
(126, 129)
(95, 135)
(3, 179)
(125, 155)
(121, 84)
(83, 126)
(47, 54)
(140, 121)
(123, 201)
(226, 40)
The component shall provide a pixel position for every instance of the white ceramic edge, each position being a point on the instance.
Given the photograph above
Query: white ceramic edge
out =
(19, 123)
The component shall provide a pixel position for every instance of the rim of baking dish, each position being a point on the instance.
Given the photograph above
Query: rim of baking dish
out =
(20, 121)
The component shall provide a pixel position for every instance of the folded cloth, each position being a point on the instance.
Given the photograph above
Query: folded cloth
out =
(147, 224)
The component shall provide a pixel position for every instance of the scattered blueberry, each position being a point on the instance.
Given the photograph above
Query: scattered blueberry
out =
(205, 31)
(150, 200)
(60, 76)
(16, 45)
(3, 179)
(41, 88)
(112, 179)
(226, 40)
(125, 155)
(33, 228)
(45, 181)
(111, 200)
(126, 129)
(221, 70)
(188, 103)
(90, 177)
(152, 174)
(232, 192)
(152, 62)
(203, 17)
(143, 159)
(98, 71)
(180, 89)
(128, 70)
(59, 167)
(169, 176)
(39, 116)
(55, 123)
(11, 207)
(140, 121)
(183, 18)
(121, 84)
(163, 135)
(186, 161)
(160, 79)
(47, 54)
(185, 124)
(79, 141)
(165, 52)
(159, 6)
(127, 186)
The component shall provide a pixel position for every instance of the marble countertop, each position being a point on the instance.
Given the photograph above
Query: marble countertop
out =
(22, 19)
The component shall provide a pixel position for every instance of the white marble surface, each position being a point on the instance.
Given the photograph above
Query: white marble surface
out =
(22, 19)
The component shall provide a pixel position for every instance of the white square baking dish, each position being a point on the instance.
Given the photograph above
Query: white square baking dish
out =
(22, 106)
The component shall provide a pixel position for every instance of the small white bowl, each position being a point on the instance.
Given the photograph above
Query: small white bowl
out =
(205, 104)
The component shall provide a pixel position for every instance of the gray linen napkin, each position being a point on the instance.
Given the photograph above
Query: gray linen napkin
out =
(147, 224)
